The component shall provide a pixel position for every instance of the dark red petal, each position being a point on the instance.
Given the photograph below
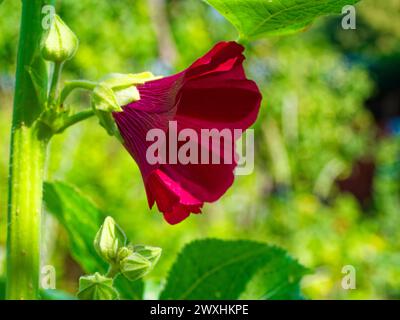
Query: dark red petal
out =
(175, 202)
(212, 93)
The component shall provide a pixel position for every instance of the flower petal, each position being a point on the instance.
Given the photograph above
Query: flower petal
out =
(213, 93)
(175, 202)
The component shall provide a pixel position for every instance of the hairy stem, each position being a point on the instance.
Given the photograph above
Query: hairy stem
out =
(27, 161)
(27, 168)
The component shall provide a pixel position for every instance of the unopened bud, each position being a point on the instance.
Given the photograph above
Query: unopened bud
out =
(150, 253)
(123, 253)
(59, 43)
(96, 287)
(109, 240)
(135, 266)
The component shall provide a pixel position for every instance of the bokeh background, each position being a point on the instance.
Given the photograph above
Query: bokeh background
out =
(326, 185)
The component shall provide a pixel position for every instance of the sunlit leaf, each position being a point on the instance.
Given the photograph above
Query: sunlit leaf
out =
(258, 18)
(279, 279)
(80, 218)
(218, 269)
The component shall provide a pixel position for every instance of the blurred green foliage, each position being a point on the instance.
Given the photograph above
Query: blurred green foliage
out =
(312, 129)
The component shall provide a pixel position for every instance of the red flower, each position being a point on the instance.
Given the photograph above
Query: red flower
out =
(213, 93)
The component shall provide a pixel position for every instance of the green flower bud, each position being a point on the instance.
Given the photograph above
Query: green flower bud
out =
(59, 43)
(96, 287)
(135, 266)
(123, 253)
(109, 240)
(150, 253)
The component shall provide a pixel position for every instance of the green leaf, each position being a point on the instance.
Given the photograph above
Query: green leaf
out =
(82, 219)
(37, 79)
(258, 18)
(218, 269)
(279, 279)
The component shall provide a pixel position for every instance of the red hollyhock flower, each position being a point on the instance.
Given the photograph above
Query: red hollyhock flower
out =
(213, 93)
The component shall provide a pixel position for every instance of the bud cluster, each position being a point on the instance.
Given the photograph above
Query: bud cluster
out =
(132, 261)
(58, 45)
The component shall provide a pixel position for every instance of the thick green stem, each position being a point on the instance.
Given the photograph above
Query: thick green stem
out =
(27, 161)
(27, 168)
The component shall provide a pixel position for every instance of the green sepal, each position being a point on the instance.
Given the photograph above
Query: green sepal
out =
(135, 266)
(112, 93)
(104, 99)
(38, 81)
(96, 287)
(121, 80)
(152, 254)
(123, 253)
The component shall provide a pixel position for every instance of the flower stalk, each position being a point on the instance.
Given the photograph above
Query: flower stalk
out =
(76, 84)
(27, 160)
(74, 119)
(54, 82)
